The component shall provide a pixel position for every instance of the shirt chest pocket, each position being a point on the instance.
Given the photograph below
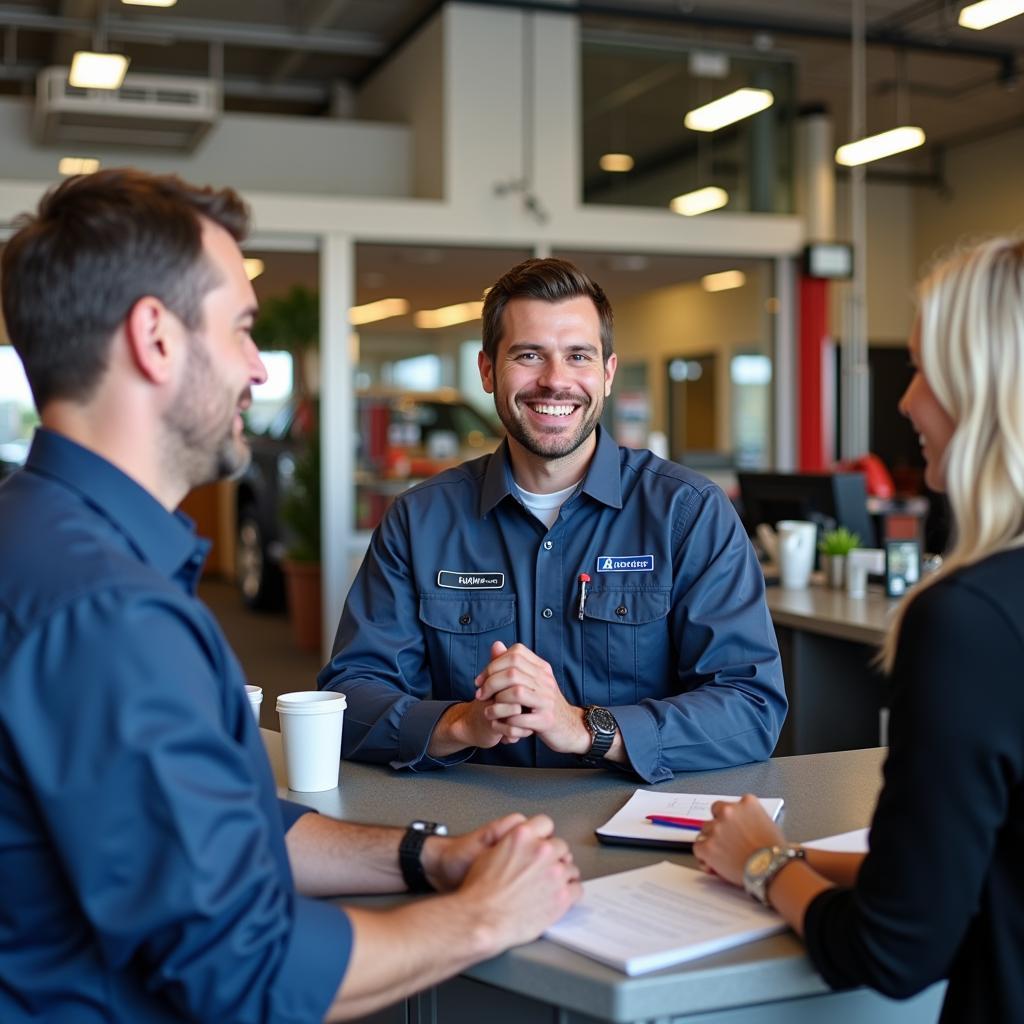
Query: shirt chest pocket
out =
(626, 645)
(459, 632)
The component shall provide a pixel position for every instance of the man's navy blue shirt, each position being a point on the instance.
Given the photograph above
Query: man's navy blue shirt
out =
(145, 876)
(675, 640)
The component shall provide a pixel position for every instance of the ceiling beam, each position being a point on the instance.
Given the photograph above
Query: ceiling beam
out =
(158, 29)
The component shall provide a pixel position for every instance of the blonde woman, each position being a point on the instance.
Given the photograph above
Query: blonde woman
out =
(941, 893)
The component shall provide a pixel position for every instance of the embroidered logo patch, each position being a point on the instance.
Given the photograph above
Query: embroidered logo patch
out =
(470, 580)
(625, 563)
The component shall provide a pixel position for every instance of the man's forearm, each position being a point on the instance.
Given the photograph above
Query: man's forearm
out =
(405, 950)
(332, 858)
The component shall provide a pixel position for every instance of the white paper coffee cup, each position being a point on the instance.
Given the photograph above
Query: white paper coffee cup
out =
(255, 695)
(311, 722)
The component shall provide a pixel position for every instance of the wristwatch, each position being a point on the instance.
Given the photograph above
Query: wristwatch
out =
(410, 851)
(603, 727)
(763, 865)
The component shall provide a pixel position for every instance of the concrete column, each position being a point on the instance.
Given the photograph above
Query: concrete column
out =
(337, 426)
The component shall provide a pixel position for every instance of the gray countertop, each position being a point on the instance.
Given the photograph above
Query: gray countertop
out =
(824, 794)
(819, 609)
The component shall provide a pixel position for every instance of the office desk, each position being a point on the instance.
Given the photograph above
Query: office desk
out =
(828, 641)
(770, 980)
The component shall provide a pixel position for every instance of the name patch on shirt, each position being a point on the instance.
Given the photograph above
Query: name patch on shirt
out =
(470, 580)
(625, 563)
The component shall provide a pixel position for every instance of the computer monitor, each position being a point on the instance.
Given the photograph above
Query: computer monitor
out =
(828, 499)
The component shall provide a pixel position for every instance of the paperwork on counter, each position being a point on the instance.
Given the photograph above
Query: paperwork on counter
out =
(630, 823)
(660, 915)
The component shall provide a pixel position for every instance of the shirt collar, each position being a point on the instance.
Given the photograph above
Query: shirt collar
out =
(603, 481)
(165, 540)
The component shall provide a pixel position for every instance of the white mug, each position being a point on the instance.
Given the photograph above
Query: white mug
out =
(796, 552)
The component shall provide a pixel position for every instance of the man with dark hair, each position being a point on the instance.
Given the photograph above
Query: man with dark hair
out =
(562, 602)
(150, 872)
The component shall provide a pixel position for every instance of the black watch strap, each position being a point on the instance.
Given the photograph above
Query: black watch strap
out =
(410, 852)
(603, 727)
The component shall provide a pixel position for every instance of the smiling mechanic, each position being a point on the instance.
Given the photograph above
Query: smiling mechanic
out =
(564, 601)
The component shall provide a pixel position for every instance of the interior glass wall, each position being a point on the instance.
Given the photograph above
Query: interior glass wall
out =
(694, 377)
(636, 92)
(420, 407)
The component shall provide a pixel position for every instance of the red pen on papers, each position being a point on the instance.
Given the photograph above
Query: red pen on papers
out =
(667, 819)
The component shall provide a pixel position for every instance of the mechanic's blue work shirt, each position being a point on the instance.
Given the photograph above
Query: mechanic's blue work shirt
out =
(675, 639)
(142, 858)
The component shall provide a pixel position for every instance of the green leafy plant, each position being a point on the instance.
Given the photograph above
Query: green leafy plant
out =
(290, 322)
(300, 510)
(838, 542)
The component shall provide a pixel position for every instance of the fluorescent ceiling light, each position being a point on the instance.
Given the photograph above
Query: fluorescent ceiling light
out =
(734, 107)
(703, 200)
(447, 316)
(875, 147)
(990, 12)
(253, 267)
(616, 163)
(370, 312)
(149, 3)
(77, 165)
(724, 281)
(97, 70)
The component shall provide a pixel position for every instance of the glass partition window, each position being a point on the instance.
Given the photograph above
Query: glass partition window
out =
(639, 93)
(420, 407)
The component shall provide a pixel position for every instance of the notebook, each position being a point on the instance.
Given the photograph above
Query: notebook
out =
(630, 826)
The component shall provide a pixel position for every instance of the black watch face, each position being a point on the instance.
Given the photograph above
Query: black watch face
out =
(601, 720)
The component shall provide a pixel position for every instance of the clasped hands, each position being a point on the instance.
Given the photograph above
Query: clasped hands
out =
(516, 696)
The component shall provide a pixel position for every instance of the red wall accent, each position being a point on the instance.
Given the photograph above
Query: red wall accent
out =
(812, 405)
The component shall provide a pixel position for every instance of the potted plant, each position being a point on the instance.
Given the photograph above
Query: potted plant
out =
(834, 546)
(300, 515)
(292, 322)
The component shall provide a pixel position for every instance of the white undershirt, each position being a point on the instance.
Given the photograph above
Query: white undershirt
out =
(546, 506)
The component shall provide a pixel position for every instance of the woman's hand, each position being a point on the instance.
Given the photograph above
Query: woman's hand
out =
(736, 830)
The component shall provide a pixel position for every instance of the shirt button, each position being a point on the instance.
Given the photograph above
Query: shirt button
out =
(465, 620)
(547, 613)
(621, 610)
(548, 545)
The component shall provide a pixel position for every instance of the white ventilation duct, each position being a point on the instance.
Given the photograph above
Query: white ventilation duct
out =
(167, 112)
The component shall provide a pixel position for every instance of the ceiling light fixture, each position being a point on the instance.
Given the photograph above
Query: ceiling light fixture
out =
(149, 3)
(253, 267)
(723, 281)
(729, 109)
(704, 200)
(77, 165)
(371, 312)
(97, 70)
(989, 12)
(616, 163)
(447, 316)
(876, 147)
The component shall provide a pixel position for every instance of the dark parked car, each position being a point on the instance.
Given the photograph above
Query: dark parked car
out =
(403, 437)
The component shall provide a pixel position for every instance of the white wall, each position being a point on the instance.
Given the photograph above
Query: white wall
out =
(890, 265)
(986, 197)
(410, 89)
(247, 151)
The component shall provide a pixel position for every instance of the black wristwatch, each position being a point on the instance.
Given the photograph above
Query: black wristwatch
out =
(603, 727)
(410, 851)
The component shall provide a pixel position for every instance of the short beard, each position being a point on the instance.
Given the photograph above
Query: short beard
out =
(200, 446)
(558, 447)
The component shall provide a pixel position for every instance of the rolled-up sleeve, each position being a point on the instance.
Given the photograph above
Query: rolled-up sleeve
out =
(728, 700)
(173, 850)
(380, 660)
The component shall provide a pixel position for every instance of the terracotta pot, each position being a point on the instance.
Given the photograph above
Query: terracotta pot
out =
(302, 580)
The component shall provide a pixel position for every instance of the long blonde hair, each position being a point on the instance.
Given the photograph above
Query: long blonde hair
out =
(971, 309)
